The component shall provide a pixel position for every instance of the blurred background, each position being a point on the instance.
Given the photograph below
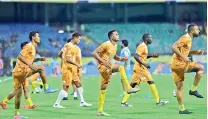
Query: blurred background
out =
(165, 20)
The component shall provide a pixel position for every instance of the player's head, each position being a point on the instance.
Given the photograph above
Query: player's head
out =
(124, 43)
(34, 36)
(69, 40)
(113, 35)
(147, 38)
(23, 44)
(194, 30)
(76, 37)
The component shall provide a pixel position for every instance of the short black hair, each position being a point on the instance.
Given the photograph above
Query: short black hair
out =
(145, 36)
(31, 34)
(76, 34)
(190, 27)
(125, 43)
(23, 44)
(110, 33)
(69, 40)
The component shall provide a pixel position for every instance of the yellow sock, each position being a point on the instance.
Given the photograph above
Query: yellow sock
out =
(101, 100)
(16, 112)
(37, 83)
(33, 88)
(193, 88)
(45, 86)
(125, 98)
(29, 101)
(155, 92)
(124, 77)
(5, 101)
(181, 107)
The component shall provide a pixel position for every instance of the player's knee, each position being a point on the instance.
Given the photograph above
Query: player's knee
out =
(150, 82)
(180, 88)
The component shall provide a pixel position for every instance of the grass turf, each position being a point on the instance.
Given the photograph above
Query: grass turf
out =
(143, 102)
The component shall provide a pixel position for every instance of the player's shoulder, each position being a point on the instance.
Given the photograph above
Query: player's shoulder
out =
(28, 46)
(185, 36)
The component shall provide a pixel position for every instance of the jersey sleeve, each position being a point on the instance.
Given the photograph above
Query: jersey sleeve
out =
(140, 50)
(26, 50)
(183, 41)
(126, 53)
(103, 47)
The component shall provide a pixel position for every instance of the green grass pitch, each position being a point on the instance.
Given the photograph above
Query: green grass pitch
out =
(143, 108)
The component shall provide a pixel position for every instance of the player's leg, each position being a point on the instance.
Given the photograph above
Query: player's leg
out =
(33, 81)
(155, 93)
(66, 80)
(6, 100)
(75, 91)
(105, 79)
(179, 95)
(78, 84)
(121, 69)
(27, 97)
(42, 73)
(199, 69)
(134, 81)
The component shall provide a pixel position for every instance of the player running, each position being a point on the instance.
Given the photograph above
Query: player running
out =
(104, 54)
(180, 64)
(140, 71)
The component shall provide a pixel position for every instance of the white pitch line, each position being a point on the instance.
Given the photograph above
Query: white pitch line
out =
(6, 79)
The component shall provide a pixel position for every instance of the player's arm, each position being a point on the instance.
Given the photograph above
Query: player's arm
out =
(39, 59)
(153, 56)
(196, 52)
(22, 59)
(122, 59)
(139, 60)
(96, 53)
(69, 59)
(175, 47)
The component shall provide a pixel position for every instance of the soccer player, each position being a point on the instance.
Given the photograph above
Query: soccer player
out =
(70, 71)
(73, 85)
(140, 71)
(25, 68)
(181, 64)
(25, 89)
(125, 52)
(104, 54)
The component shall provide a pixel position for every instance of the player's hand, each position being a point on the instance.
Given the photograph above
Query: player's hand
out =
(154, 55)
(43, 59)
(107, 64)
(147, 66)
(79, 66)
(186, 59)
(200, 52)
(124, 59)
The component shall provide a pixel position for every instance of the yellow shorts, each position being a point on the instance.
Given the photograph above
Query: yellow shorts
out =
(69, 75)
(179, 73)
(20, 77)
(105, 74)
(141, 75)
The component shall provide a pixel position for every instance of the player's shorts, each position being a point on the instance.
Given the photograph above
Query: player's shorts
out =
(142, 75)
(20, 77)
(179, 73)
(69, 75)
(105, 74)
